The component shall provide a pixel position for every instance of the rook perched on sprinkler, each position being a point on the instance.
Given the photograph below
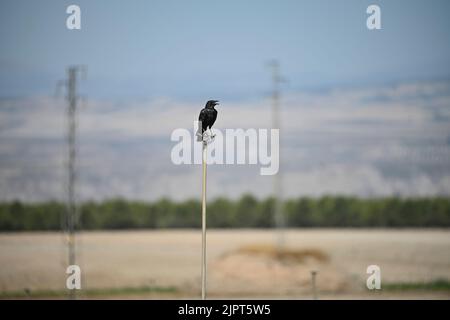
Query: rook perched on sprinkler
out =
(207, 117)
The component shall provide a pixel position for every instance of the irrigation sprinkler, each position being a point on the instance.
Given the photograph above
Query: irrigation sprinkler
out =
(205, 145)
(207, 138)
(207, 117)
(313, 283)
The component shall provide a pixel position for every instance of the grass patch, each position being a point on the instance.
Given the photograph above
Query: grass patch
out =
(435, 285)
(104, 292)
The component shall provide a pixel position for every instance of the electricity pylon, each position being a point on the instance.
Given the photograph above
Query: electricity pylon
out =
(278, 215)
(71, 217)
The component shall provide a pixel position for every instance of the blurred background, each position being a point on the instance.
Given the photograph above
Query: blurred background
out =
(365, 148)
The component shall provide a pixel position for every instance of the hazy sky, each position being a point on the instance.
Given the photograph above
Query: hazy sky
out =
(192, 49)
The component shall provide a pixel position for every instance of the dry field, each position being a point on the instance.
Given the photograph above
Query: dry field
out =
(241, 263)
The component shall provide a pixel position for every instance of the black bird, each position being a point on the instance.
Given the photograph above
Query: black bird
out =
(207, 116)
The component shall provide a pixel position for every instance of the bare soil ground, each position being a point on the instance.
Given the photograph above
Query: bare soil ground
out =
(241, 263)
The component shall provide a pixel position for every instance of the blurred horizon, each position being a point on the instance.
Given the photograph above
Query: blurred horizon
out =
(371, 142)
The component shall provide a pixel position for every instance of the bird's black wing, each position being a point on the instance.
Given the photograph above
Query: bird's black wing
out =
(213, 117)
(203, 117)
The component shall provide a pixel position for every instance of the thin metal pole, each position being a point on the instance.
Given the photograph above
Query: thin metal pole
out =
(204, 222)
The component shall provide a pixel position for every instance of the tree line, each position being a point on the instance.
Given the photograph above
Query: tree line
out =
(246, 212)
